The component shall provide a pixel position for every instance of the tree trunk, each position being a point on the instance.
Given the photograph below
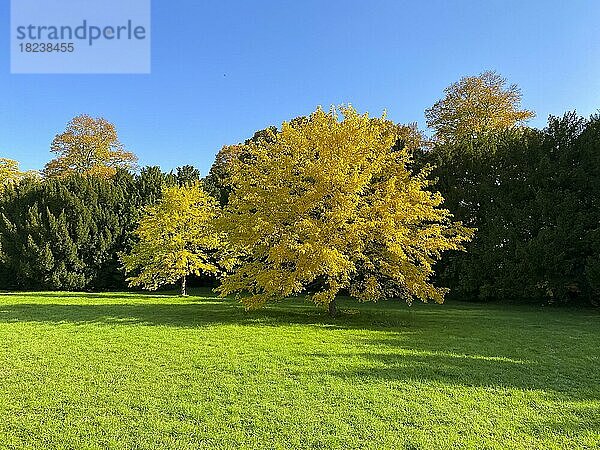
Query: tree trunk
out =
(332, 307)
(183, 286)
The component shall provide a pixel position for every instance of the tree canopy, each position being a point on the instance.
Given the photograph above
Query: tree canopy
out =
(476, 106)
(66, 233)
(334, 202)
(89, 146)
(328, 203)
(175, 239)
(11, 173)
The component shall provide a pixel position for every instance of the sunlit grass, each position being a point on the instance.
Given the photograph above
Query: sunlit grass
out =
(156, 371)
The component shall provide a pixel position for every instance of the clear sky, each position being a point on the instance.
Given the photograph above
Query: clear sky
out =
(223, 69)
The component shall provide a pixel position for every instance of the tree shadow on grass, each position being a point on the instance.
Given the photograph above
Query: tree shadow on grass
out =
(203, 308)
(449, 368)
(553, 388)
(195, 312)
(90, 295)
(576, 420)
(426, 355)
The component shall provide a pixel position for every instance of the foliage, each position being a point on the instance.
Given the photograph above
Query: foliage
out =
(65, 233)
(89, 146)
(324, 205)
(533, 196)
(175, 239)
(10, 172)
(218, 180)
(186, 175)
(329, 204)
(218, 183)
(475, 107)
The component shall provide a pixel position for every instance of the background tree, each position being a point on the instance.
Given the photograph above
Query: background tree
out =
(151, 183)
(175, 239)
(476, 117)
(475, 113)
(10, 172)
(476, 106)
(534, 201)
(531, 194)
(218, 181)
(186, 175)
(329, 204)
(89, 146)
(64, 234)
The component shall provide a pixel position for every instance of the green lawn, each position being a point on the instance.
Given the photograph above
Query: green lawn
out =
(153, 371)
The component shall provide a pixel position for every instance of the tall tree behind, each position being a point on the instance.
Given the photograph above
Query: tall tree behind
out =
(59, 234)
(9, 171)
(533, 197)
(540, 217)
(187, 175)
(476, 116)
(474, 107)
(218, 181)
(89, 146)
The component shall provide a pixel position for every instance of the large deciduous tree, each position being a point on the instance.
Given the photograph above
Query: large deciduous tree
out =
(175, 239)
(89, 146)
(329, 203)
(475, 106)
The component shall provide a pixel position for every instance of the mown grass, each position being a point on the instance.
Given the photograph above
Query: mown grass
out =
(155, 371)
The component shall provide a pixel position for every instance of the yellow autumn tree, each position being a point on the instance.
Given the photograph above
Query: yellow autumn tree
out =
(10, 172)
(328, 203)
(175, 239)
(475, 106)
(89, 146)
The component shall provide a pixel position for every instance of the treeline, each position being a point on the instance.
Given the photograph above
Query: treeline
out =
(532, 196)
(66, 233)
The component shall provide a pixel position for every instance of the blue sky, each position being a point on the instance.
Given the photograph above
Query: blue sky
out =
(223, 69)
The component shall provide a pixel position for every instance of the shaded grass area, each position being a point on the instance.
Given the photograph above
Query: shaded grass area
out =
(155, 371)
